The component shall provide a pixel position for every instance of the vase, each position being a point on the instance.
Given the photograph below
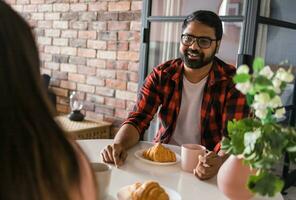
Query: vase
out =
(232, 179)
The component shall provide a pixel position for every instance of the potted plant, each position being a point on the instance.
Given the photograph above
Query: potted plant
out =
(259, 140)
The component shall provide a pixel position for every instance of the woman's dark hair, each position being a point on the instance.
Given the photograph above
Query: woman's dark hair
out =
(208, 18)
(37, 162)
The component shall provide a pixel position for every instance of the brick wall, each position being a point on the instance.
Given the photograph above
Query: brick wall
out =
(89, 46)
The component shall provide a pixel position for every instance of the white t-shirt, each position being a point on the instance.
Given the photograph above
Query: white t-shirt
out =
(188, 122)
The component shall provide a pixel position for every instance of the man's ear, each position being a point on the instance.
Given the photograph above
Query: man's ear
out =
(218, 46)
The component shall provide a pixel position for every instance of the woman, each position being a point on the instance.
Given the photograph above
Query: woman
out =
(37, 162)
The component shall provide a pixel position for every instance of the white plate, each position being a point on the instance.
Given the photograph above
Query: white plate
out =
(124, 194)
(139, 154)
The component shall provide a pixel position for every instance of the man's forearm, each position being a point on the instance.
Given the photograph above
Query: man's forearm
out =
(127, 136)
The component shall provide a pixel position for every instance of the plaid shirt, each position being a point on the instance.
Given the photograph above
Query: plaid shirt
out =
(163, 88)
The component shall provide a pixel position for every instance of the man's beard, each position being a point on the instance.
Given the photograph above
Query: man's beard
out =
(196, 63)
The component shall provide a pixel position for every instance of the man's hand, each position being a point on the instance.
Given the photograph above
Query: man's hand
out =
(115, 154)
(208, 166)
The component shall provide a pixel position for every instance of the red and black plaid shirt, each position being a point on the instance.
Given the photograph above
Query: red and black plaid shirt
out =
(163, 88)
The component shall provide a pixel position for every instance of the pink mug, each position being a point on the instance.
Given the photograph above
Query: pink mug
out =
(189, 156)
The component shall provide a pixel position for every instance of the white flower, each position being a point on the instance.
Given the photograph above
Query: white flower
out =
(284, 75)
(261, 114)
(243, 87)
(243, 69)
(262, 97)
(266, 72)
(277, 84)
(279, 113)
(275, 102)
(259, 106)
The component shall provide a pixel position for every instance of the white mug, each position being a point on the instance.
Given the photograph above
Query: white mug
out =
(189, 156)
(103, 176)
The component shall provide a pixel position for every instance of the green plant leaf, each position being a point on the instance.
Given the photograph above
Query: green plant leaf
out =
(265, 184)
(292, 149)
(258, 64)
(262, 83)
(241, 78)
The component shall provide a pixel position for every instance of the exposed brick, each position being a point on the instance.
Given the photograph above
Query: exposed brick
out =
(93, 116)
(87, 16)
(121, 94)
(128, 55)
(85, 88)
(37, 1)
(111, 64)
(18, 8)
(135, 26)
(116, 26)
(44, 24)
(129, 35)
(95, 98)
(59, 75)
(61, 7)
(51, 16)
(78, 43)
(98, 6)
(79, 78)
(51, 65)
(122, 75)
(116, 45)
(52, 33)
(62, 100)
(135, 46)
(116, 103)
(119, 6)
(79, 25)
(39, 32)
(95, 44)
(133, 87)
(103, 73)
(122, 65)
(121, 113)
(77, 60)
(45, 8)
(107, 16)
(69, 16)
(106, 54)
(93, 80)
(130, 105)
(86, 70)
(23, 1)
(129, 16)
(68, 85)
(133, 76)
(52, 49)
(105, 91)
(62, 108)
(60, 91)
(60, 41)
(30, 8)
(60, 24)
(54, 82)
(10, 2)
(103, 109)
(44, 40)
(37, 16)
(96, 63)
(68, 68)
(69, 51)
(98, 26)
(136, 5)
(88, 106)
(106, 35)
(78, 7)
(89, 53)
(69, 34)
(45, 71)
(132, 66)
(45, 57)
(87, 34)
(60, 58)
(116, 84)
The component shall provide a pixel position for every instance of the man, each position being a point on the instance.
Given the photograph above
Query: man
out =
(196, 96)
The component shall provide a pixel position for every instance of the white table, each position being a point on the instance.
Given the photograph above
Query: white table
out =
(189, 187)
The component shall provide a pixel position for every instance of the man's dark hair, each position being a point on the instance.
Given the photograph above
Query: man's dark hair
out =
(208, 18)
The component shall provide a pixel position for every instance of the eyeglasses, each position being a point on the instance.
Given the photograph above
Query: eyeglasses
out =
(203, 42)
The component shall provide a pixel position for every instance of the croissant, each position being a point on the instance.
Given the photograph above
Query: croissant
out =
(159, 153)
(149, 190)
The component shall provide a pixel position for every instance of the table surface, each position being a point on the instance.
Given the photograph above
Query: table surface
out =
(135, 170)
